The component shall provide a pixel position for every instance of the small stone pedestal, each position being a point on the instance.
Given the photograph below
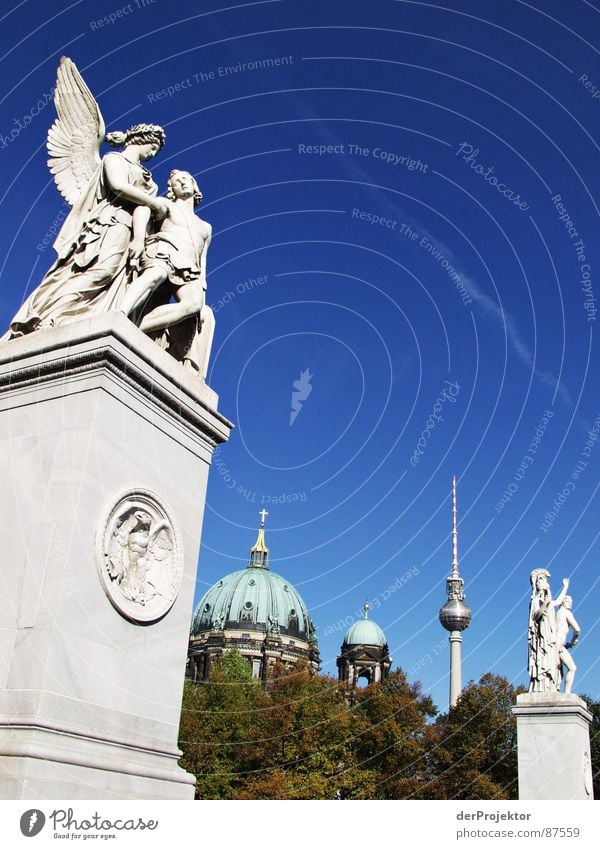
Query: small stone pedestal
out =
(106, 443)
(553, 742)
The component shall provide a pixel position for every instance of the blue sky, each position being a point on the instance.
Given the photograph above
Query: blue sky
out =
(404, 199)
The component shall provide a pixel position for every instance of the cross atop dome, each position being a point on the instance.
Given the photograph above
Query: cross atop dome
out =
(259, 552)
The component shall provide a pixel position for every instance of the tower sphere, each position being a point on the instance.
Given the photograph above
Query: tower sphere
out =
(455, 615)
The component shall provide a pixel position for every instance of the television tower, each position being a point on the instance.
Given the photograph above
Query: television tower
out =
(455, 616)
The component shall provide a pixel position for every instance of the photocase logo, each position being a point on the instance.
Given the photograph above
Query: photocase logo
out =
(303, 390)
(32, 822)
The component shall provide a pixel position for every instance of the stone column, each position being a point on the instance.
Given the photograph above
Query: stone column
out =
(106, 446)
(553, 742)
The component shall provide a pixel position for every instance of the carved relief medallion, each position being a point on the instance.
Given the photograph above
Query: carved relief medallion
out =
(140, 558)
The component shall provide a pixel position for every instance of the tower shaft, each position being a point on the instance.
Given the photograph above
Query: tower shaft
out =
(455, 667)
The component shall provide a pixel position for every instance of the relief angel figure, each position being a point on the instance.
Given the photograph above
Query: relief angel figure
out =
(140, 558)
(94, 265)
(127, 554)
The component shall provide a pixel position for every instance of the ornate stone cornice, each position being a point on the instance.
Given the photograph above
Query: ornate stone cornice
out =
(112, 361)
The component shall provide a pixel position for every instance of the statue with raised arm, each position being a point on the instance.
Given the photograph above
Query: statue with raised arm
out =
(543, 635)
(565, 622)
(94, 263)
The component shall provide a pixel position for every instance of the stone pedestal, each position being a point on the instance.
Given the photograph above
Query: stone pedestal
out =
(553, 742)
(106, 444)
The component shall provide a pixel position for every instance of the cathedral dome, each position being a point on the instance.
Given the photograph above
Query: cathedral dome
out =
(254, 599)
(365, 632)
(364, 653)
(256, 612)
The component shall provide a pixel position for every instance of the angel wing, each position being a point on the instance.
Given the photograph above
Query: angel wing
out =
(75, 137)
(162, 546)
(159, 577)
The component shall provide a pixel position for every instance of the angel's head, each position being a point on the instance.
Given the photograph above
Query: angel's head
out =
(181, 184)
(149, 137)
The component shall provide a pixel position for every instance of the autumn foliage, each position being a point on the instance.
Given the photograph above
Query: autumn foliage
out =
(306, 737)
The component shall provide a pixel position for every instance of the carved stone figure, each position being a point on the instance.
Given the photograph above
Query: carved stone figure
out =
(543, 636)
(112, 252)
(139, 557)
(140, 564)
(173, 263)
(565, 622)
(273, 625)
(93, 246)
(218, 622)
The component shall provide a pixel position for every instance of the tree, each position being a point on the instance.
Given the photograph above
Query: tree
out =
(472, 749)
(305, 731)
(390, 723)
(322, 741)
(218, 727)
(305, 736)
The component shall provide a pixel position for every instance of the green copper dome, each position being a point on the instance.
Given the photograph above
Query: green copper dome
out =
(254, 599)
(365, 632)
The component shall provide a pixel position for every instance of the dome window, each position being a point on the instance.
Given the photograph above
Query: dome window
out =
(251, 582)
(245, 614)
(206, 607)
(293, 621)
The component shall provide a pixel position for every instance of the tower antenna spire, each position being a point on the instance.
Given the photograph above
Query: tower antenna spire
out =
(454, 529)
(455, 615)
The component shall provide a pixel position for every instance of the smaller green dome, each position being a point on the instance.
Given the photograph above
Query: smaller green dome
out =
(365, 632)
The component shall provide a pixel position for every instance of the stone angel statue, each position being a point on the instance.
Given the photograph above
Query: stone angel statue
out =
(94, 262)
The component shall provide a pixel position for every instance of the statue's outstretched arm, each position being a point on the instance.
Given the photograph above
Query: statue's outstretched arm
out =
(559, 600)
